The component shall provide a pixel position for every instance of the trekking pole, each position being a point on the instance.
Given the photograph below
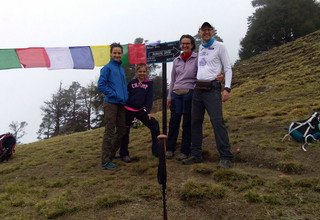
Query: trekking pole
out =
(162, 172)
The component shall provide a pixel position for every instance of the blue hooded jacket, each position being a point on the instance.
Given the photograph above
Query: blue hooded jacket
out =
(112, 83)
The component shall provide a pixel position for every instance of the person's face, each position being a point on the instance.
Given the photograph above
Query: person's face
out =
(141, 73)
(206, 33)
(116, 54)
(186, 45)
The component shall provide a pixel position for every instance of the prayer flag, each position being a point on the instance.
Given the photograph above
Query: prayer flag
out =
(137, 53)
(33, 57)
(9, 59)
(101, 55)
(82, 57)
(60, 58)
(124, 59)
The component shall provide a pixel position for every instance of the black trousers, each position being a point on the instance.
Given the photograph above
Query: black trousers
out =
(180, 109)
(152, 124)
(210, 101)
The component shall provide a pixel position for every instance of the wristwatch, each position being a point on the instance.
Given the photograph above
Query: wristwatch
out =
(227, 89)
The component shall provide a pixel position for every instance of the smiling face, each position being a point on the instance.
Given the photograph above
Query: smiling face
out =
(116, 53)
(206, 33)
(141, 72)
(186, 45)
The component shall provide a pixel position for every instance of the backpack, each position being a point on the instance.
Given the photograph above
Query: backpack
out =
(7, 146)
(305, 131)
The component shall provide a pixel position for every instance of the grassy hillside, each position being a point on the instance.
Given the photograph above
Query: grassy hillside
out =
(61, 178)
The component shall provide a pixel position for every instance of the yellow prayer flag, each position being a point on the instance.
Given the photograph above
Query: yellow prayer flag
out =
(101, 54)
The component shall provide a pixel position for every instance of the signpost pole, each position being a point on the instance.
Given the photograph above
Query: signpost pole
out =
(163, 53)
(164, 98)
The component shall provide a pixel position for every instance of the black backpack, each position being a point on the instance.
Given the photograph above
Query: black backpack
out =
(7, 146)
(305, 131)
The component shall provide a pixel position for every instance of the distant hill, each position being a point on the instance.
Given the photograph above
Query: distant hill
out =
(61, 178)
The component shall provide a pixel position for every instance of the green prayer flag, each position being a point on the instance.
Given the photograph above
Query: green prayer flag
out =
(125, 57)
(9, 59)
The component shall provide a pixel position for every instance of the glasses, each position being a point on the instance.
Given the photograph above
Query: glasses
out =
(207, 29)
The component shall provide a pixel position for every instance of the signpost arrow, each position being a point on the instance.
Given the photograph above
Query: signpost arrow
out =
(163, 53)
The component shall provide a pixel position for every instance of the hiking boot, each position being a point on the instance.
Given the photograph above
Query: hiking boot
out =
(192, 160)
(169, 154)
(225, 164)
(181, 156)
(126, 159)
(109, 166)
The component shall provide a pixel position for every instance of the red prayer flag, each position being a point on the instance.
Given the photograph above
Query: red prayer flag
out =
(33, 57)
(137, 53)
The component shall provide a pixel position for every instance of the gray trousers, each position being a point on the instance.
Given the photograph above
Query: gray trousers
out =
(115, 129)
(212, 102)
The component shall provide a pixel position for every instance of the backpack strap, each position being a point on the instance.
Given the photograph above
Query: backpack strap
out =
(290, 130)
(300, 124)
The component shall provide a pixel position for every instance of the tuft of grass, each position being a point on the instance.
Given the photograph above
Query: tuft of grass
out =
(140, 168)
(112, 200)
(272, 199)
(228, 175)
(60, 183)
(317, 188)
(202, 168)
(284, 182)
(17, 200)
(250, 184)
(253, 197)
(292, 167)
(148, 192)
(195, 190)
(57, 206)
(313, 184)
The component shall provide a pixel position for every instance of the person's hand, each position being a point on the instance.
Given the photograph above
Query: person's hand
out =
(219, 77)
(225, 95)
(149, 116)
(168, 103)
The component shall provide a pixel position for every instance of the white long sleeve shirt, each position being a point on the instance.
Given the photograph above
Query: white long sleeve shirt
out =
(211, 60)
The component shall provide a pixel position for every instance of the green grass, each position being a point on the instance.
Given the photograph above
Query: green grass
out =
(195, 190)
(61, 178)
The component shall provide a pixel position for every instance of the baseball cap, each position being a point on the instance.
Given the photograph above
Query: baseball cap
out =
(206, 25)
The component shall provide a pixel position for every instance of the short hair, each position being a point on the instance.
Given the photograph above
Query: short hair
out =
(140, 65)
(114, 45)
(193, 41)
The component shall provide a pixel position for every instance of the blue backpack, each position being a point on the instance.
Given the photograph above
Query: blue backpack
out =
(305, 131)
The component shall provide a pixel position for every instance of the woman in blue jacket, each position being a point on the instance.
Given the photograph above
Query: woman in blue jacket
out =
(112, 83)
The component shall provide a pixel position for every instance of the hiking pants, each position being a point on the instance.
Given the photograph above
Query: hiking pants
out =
(212, 102)
(152, 124)
(180, 108)
(115, 129)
